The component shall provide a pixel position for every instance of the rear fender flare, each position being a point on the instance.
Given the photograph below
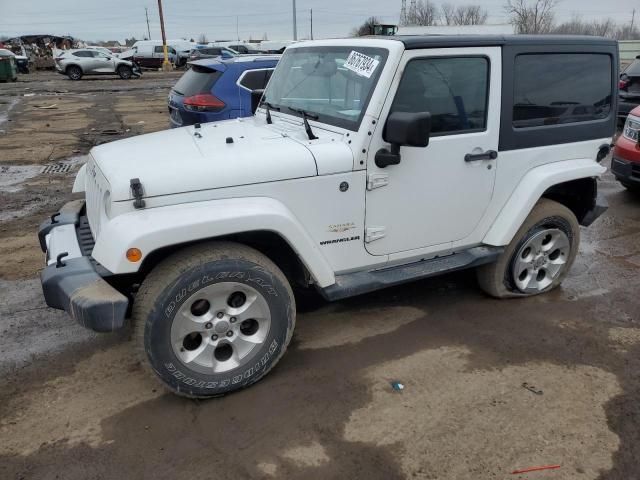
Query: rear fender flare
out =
(530, 189)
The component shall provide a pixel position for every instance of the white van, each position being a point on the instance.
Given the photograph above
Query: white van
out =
(150, 53)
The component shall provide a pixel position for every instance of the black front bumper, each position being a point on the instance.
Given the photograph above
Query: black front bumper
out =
(625, 171)
(76, 284)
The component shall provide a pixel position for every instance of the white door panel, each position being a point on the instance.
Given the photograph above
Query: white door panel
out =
(433, 196)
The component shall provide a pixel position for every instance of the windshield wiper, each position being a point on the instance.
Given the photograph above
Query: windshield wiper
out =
(268, 109)
(307, 127)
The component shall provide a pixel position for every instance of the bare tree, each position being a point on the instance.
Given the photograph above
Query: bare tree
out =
(627, 32)
(423, 13)
(535, 16)
(366, 28)
(202, 39)
(470, 15)
(448, 13)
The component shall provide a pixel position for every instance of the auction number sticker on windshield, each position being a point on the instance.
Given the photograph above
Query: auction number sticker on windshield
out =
(361, 64)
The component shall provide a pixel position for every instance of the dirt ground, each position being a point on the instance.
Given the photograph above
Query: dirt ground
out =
(77, 405)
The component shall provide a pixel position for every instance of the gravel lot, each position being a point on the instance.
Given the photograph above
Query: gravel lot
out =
(77, 405)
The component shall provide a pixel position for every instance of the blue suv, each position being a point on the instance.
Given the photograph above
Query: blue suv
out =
(220, 89)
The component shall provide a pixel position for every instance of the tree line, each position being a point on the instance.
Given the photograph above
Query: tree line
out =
(526, 16)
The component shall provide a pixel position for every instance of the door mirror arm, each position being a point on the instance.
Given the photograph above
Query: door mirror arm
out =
(384, 157)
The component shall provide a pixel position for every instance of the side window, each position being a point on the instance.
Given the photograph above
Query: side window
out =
(267, 76)
(83, 54)
(170, 50)
(254, 79)
(559, 88)
(453, 89)
(158, 49)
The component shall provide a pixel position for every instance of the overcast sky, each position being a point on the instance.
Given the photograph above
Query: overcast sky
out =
(117, 19)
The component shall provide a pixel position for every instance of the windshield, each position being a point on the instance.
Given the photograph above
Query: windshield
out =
(334, 83)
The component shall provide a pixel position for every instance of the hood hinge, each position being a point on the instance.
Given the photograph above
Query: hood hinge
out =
(372, 234)
(377, 180)
(137, 191)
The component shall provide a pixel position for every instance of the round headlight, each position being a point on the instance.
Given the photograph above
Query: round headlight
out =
(106, 200)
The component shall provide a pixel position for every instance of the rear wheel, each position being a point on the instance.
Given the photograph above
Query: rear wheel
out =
(213, 318)
(125, 72)
(74, 72)
(538, 258)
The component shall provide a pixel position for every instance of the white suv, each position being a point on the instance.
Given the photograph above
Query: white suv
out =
(371, 162)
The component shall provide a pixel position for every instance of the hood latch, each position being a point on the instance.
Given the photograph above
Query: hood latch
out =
(137, 192)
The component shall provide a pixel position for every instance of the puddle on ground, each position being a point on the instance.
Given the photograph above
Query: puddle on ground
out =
(5, 108)
(13, 176)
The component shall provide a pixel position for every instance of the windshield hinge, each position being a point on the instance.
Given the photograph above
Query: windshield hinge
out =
(374, 233)
(137, 191)
(377, 180)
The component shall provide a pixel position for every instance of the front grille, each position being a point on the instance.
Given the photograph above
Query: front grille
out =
(85, 237)
(96, 187)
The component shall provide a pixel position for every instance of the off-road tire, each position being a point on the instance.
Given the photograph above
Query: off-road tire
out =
(74, 72)
(175, 280)
(496, 279)
(125, 72)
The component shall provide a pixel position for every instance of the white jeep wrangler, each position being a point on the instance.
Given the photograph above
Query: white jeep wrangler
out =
(370, 162)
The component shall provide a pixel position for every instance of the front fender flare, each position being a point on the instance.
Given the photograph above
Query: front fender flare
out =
(535, 182)
(155, 228)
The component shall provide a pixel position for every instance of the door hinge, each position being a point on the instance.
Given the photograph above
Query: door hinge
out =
(377, 180)
(374, 233)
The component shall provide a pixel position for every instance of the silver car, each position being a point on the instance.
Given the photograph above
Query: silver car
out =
(76, 63)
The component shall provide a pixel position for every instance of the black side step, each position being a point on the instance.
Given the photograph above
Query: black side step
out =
(358, 283)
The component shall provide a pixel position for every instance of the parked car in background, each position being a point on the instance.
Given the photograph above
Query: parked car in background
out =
(22, 62)
(213, 90)
(212, 52)
(625, 164)
(241, 48)
(150, 53)
(77, 63)
(104, 50)
(629, 89)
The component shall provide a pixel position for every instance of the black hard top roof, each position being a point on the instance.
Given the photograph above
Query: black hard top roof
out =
(433, 41)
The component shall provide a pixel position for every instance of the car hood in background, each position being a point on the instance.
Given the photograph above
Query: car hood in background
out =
(217, 155)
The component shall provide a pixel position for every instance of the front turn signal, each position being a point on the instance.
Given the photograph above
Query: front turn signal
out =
(134, 255)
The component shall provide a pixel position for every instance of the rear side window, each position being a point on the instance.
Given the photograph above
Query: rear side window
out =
(196, 80)
(256, 79)
(551, 89)
(453, 89)
(211, 51)
(633, 68)
(158, 49)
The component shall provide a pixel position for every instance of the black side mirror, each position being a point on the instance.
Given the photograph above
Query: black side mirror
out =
(403, 129)
(256, 96)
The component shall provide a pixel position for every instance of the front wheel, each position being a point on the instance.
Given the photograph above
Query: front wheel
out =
(74, 73)
(125, 72)
(213, 318)
(538, 258)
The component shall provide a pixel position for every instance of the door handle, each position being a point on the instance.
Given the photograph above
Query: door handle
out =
(474, 157)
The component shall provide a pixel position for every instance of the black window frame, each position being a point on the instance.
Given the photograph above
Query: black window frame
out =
(252, 70)
(487, 92)
(512, 138)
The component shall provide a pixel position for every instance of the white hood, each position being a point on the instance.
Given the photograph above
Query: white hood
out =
(178, 160)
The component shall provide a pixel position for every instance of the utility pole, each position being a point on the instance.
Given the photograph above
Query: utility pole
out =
(238, 28)
(633, 18)
(295, 27)
(166, 66)
(312, 24)
(146, 12)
